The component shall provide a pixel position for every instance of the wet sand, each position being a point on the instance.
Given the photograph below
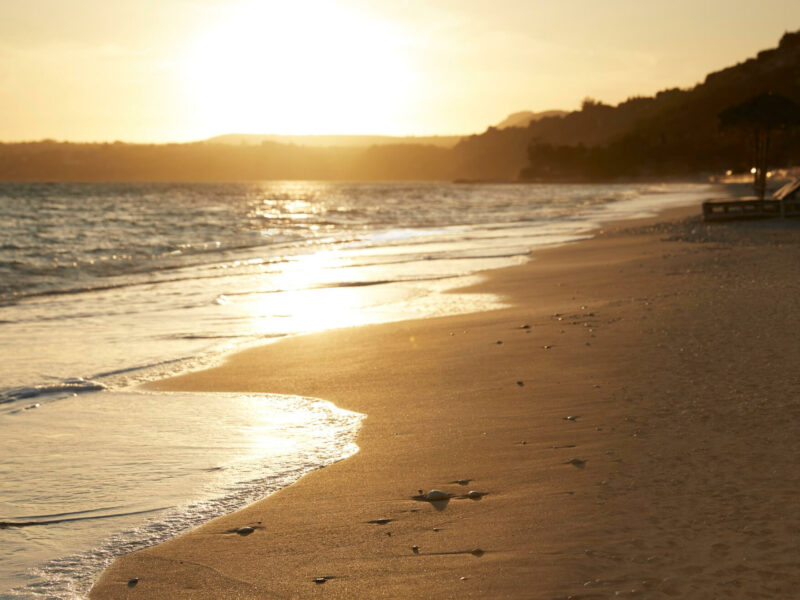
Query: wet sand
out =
(633, 421)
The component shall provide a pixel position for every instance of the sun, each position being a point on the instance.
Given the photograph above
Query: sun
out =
(297, 67)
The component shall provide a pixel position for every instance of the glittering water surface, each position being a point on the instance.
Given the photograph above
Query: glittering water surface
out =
(103, 286)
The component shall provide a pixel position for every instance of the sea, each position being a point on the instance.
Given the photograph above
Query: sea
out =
(104, 287)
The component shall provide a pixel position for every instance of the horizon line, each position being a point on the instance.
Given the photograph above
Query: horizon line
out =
(212, 137)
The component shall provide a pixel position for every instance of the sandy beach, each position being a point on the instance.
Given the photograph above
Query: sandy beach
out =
(630, 421)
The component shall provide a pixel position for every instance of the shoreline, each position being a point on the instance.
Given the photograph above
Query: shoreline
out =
(446, 401)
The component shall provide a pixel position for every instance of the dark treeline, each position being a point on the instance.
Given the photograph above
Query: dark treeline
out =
(676, 133)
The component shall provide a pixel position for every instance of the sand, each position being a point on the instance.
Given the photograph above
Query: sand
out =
(673, 347)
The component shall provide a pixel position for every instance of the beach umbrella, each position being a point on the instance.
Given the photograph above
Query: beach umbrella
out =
(762, 115)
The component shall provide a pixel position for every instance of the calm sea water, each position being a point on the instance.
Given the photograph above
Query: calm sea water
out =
(103, 287)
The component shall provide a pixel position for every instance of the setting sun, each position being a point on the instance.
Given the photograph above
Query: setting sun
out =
(271, 67)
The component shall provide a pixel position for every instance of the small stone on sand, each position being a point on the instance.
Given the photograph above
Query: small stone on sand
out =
(133, 581)
(415, 549)
(577, 462)
(382, 521)
(472, 494)
(571, 418)
(477, 552)
(520, 383)
(435, 495)
(245, 530)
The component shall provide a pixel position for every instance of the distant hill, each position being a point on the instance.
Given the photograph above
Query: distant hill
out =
(675, 133)
(335, 141)
(672, 133)
(526, 117)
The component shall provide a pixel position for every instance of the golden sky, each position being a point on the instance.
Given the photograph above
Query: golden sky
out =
(178, 70)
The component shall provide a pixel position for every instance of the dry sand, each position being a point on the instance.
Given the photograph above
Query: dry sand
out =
(674, 344)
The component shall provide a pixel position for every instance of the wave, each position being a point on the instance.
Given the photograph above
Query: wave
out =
(77, 385)
(66, 518)
(406, 258)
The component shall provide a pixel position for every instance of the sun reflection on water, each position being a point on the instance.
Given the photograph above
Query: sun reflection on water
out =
(306, 303)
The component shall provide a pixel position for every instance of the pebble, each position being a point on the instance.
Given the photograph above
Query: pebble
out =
(577, 462)
(245, 530)
(415, 549)
(571, 418)
(475, 495)
(435, 495)
(133, 581)
(520, 383)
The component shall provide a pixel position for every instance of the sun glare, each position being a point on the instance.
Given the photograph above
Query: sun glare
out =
(306, 304)
(297, 67)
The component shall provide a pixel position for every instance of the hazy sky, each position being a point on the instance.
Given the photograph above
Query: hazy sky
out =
(176, 70)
